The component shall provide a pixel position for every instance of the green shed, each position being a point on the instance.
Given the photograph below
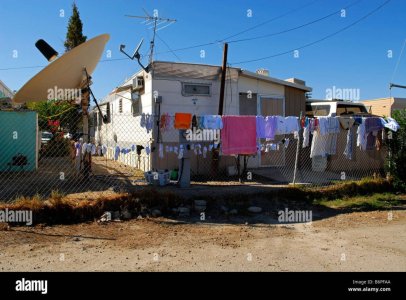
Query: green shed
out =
(18, 141)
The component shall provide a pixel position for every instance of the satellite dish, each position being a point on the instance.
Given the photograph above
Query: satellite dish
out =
(136, 52)
(136, 55)
(66, 72)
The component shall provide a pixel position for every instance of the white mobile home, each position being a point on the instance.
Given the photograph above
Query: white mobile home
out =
(188, 88)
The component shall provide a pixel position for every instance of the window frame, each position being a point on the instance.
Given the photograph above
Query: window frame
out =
(185, 94)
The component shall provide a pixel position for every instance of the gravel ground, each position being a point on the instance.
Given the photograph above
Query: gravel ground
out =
(365, 241)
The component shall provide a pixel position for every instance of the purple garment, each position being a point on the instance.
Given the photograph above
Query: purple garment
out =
(260, 127)
(266, 127)
(373, 124)
(270, 127)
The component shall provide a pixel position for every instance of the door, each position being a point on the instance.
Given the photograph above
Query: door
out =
(272, 106)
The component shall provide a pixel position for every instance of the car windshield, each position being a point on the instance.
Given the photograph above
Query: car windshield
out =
(343, 109)
(318, 110)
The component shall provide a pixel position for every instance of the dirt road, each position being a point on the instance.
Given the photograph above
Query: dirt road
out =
(365, 241)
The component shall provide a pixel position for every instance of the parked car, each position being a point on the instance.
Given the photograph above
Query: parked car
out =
(334, 108)
(46, 137)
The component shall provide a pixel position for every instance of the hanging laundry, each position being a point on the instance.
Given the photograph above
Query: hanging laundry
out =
(266, 127)
(372, 127)
(274, 147)
(324, 141)
(181, 149)
(306, 134)
(239, 135)
(147, 122)
(286, 143)
(147, 149)
(183, 121)
(391, 124)
(78, 148)
(373, 124)
(142, 120)
(116, 152)
(164, 122)
(361, 136)
(286, 125)
(211, 122)
(329, 125)
(346, 122)
(204, 151)
(161, 150)
(348, 151)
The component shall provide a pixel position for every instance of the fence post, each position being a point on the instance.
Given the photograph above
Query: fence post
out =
(297, 149)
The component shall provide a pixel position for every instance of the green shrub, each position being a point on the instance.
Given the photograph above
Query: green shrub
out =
(396, 164)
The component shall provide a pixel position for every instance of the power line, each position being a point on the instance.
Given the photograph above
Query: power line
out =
(295, 28)
(398, 62)
(270, 20)
(263, 23)
(319, 40)
(242, 40)
(170, 49)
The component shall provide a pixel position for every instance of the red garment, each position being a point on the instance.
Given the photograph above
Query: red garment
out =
(238, 135)
(183, 121)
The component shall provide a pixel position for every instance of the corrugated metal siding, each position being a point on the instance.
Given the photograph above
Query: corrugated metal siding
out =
(295, 101)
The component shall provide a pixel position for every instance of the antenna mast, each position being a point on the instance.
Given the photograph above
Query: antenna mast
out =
(157, 24)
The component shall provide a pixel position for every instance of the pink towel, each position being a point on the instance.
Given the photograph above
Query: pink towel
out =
(238, 135)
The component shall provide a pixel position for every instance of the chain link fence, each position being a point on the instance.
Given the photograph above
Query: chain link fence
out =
(42, 155)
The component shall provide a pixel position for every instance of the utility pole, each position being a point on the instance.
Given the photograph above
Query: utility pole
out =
(392, 85)
(223, 79)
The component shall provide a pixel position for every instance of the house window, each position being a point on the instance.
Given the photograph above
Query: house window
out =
(196, 89)
(108, 112)
(135, 107)
(120, 106)
(95, 119)
(135, 103)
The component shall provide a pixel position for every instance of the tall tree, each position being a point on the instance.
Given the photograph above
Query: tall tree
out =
(74, 36)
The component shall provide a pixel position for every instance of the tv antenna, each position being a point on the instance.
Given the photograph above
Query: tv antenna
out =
(156, 23)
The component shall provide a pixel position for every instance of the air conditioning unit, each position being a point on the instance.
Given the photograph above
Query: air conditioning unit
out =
(138, 83)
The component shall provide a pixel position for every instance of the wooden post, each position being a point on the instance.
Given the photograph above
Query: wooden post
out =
(223, 79)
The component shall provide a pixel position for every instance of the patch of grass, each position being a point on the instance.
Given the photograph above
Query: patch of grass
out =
(366, 186)
(380, 201)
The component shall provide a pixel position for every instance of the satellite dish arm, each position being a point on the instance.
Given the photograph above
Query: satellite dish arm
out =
(105, 118)
(135, 55)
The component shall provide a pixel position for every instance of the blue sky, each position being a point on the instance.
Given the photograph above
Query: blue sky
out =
(356, 58)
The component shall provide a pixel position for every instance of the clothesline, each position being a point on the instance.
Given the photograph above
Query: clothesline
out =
(241, 135)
